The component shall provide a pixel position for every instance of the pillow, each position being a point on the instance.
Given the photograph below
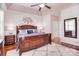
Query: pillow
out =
(22, 31)
(29, 31)
(34, 30)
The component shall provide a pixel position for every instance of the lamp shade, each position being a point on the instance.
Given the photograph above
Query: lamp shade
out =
(40, 27)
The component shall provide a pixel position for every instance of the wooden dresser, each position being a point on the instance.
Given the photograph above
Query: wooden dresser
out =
(9, 39)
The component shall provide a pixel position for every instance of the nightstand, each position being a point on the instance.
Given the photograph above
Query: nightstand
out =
(9, 39)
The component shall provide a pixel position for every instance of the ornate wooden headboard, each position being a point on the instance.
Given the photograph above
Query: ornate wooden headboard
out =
(26, 27)
(22, 27)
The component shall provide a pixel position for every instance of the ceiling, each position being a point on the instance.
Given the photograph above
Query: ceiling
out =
(55, 5)
(25, 7)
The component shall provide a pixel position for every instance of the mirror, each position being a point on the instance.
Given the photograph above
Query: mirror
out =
(70, 27)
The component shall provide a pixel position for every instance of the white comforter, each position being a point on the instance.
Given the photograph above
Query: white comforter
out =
(33, 34)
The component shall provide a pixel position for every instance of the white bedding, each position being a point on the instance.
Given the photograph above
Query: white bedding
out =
(33, 34)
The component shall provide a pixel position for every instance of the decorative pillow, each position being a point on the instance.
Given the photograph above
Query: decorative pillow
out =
(22, 31)
(34, 30)
(29, 31)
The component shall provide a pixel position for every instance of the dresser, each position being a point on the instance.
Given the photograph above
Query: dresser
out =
(1, 47)
(9, 39)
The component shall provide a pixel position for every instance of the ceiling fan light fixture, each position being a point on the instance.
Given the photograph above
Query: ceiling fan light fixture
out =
(41, 5)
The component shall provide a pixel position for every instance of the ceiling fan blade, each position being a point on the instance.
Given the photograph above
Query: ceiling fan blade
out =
(35, 5)
(47, 7)
(40, 9)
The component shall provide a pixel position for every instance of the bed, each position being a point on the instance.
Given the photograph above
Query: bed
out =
(30, 40)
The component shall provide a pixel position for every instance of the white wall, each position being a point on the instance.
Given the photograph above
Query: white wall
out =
(65, 14)
(55, 26)
(16, 18)
(46, 19)
(1, 23)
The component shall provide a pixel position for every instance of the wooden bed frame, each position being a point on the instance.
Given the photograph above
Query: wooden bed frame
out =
(32, 42)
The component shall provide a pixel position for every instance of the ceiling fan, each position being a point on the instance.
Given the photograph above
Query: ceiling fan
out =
(41, 5)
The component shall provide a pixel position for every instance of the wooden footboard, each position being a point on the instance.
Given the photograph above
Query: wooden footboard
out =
(33, 42)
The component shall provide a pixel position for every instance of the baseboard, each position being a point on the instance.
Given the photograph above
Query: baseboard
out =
(70, 45)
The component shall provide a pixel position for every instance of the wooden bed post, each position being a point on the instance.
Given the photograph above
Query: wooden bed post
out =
(50, 41)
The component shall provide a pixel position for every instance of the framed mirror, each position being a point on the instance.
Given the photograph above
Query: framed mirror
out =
(70, 27)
